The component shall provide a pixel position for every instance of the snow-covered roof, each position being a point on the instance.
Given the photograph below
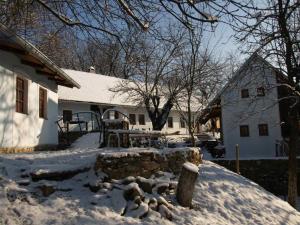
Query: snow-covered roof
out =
(95, 88)
(29, 55)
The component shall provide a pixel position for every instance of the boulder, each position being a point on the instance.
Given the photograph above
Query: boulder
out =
(145, 184)
(132, 190)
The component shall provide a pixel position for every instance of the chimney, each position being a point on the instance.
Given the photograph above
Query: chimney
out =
(92, 69)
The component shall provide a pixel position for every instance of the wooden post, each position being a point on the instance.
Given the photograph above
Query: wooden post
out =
(186, 184)
(237, 159)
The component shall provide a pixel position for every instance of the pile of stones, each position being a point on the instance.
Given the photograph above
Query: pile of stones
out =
(139, 197)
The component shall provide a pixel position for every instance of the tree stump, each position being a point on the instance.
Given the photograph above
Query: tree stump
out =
(186, 184)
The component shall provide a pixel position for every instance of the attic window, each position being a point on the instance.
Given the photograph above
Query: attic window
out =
(260, 91)
(244, 131)
(245, 93)
(263, 130)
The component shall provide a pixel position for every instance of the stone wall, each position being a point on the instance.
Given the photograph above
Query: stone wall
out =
(145, 163)
(13, 150)
(271, 174)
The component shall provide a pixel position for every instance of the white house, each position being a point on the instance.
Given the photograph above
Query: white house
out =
(250, 113)
(28, 95)
(95, 95)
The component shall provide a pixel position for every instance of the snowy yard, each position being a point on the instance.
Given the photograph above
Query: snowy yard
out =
(221, 197)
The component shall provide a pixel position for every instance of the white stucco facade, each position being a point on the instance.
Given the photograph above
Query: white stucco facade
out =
(18, 130)
(83, 106)
(251, 111)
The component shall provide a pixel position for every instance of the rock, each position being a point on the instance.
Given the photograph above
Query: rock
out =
(107, 185)
(153, 204)
(137, 200)
(118, 202)
(41, 174)
(173, 185)
(95, 185)
(140, 212)
(47, 189)
(128, 180)
(132, 190)
(13, 194)
(162, 201)
(165, 212)
(131, 206)
(145, 184)
(161, 188)
(23, 182)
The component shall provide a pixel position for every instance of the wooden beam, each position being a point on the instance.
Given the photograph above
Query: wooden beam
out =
(43, 72)
(32, 63)
(64, 84)
(11, 48)
(56, 78)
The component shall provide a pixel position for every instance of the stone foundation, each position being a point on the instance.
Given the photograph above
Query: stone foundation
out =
(145, 162)
(12, 150)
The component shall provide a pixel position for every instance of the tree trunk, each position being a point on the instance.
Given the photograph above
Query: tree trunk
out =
(159, 117)
(186, 184)
(293, 146)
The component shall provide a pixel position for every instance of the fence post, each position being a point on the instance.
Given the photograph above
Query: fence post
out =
(237, 158)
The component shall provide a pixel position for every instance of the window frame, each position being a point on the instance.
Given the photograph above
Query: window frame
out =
(260, 91)
(141, 118)
(43, 99)
(170, 119)
(182, 122)
(131, 116)
(21, 102)
(263, 129)
(64, 115)
(243, 91)
(247, 133)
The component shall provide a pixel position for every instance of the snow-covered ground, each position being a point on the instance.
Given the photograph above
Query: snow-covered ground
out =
(220, 197)
(90, 140)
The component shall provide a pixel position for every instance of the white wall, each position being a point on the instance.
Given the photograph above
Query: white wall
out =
(251, 111)
(25, 130)
(77, 106)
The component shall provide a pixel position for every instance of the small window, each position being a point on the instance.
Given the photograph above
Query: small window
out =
(244, 131)
(132, 119)
(43, 103)
(116, 115)
(260, 91)
(141, 119)
(263, 130)
(182, 122)
(170, 122)
(21, 95)
(245, 93)
(67, 116)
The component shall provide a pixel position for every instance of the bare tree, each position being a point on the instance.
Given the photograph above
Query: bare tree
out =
(155, 83)
(271, 27)
(201, 78)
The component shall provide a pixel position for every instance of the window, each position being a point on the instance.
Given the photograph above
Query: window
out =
(43, 103)
(263, 129)
(182, 122)
(170, 122)
(21, 95)
(67, 116)
(244, 131)
(116, 115)
(260, 91)
(132, 119)
(245, 93)
(141, 119)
